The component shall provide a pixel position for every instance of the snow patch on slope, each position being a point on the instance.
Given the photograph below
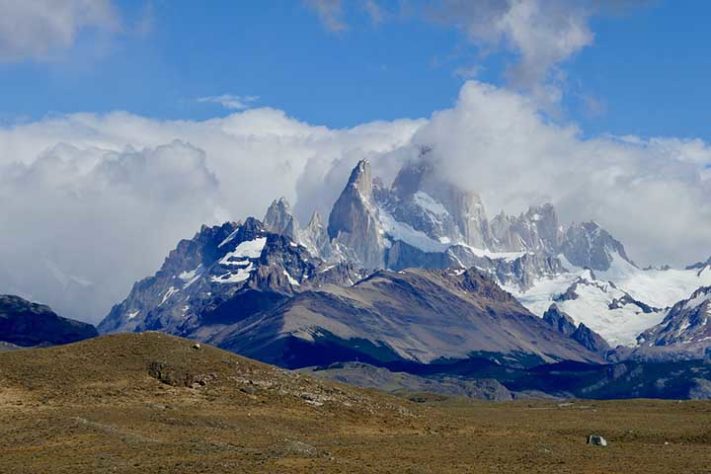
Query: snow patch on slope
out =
(619, 326)
(655, 287)
(426, 202)
(697, 301)
(245, 250)
(250, 248)
(242, 274)
(401, 231)
(292, 281)
(506, 256)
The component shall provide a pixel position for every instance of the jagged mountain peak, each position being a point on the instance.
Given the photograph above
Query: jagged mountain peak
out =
(353, 224)
(278, 206)
(315, 237)
(588, 245)
(559, 320)
(543, 213)
(700, 265)
(280, 219)
(315, 221)
(216, 264)
(422, 199)
(583, 335)
(361, 178)
(537, 229)
(686, 329)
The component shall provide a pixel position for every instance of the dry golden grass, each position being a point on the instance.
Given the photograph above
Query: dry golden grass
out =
(99, 406)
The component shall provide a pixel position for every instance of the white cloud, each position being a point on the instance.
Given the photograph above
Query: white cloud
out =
(38, 29)
(89, 204)
(653, 194)
(230, 102)
(540, 33)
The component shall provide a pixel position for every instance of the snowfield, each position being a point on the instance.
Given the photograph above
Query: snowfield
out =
(596, 291)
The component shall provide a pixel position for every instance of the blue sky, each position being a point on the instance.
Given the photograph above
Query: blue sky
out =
(646, 73)
(313, 86)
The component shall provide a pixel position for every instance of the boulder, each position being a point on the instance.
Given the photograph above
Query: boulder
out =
(597, 440)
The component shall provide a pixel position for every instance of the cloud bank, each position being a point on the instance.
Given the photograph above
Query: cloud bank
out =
(654, 194)
(91, 203)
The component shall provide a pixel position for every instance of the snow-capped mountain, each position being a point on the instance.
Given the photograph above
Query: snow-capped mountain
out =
(619, 303)
(261, 294)
(421, 221)
(685, 330)
(242, 263)
(214, 283)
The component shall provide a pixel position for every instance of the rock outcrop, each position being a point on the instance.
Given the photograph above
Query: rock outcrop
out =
(588, 245)
(582, 334)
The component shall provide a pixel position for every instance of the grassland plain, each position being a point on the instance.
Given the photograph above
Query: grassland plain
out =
(153, 403)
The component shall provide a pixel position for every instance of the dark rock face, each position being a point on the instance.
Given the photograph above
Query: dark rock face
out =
(582, 334)
(685, 331)
(590, 340)
(26, 324)
(700, 265)
(626, 299)
(401, 256)
(588, 245)
(238, 266)
(560, 321)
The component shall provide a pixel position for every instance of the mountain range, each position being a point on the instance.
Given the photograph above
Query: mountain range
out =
(414, 274)
(411, 271)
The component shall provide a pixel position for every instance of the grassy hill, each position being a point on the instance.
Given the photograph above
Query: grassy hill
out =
(155, 403)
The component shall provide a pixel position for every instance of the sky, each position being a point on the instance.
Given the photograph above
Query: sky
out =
(645, 72)
(127, 124)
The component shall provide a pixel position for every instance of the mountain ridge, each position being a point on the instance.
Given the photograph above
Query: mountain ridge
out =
(27, 324)
(228, 280)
